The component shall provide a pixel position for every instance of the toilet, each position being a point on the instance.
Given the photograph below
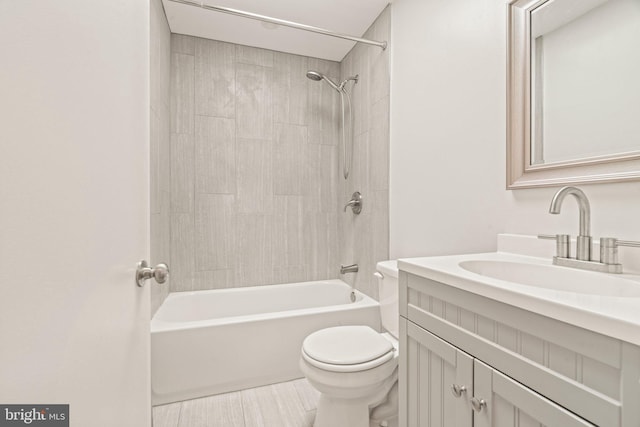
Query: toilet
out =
(355, 368)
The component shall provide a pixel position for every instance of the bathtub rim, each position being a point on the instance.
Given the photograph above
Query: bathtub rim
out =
(161, 326)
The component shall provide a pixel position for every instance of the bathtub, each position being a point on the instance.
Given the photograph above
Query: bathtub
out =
(209, 342)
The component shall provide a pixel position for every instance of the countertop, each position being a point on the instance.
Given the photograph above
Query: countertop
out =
(615, 316)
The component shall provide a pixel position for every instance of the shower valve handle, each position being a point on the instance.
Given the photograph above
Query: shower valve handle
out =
(355, 203)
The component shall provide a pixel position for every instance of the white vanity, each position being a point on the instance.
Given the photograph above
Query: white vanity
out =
(505, 339)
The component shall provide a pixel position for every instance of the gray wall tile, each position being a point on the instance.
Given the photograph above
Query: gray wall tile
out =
(255, 175)
(214, 279)
(320, 243)
(328, 68)
(311, 184)
(159, 56)
(379, 145)
(324, 113)
(360, 164)
(255, 168)
(290, 274)
(361, 90)
(215, 155)
(288, 231)
(160, 123)
(182, 93)
(365, 239)
(164, 155)
(253, 101)
(214, 78)
(182, 176)
(380, 59)
(215, 232)
(182, 252)
(183, 44)
(289, 158)
(329, 176)
(255, 255)
(290, 106)
(254, 56)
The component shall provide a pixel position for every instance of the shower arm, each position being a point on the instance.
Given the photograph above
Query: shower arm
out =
(291, 24)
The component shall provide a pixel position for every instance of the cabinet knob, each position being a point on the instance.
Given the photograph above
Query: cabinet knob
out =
(457, 390)
(478, 404)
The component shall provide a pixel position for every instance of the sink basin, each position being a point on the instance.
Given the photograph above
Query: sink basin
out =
(554, 278)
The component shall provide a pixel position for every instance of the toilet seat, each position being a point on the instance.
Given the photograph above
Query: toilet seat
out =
(347, 349)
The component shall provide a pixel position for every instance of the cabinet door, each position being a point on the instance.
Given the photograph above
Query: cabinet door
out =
(431, 368)
(508, 403)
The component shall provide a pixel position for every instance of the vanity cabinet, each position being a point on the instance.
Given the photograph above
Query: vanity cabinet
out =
(527, 369)
(442, 380)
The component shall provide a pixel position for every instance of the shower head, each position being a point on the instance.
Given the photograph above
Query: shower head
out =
(316, 76)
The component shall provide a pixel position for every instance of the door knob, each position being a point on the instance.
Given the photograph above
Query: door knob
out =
(160, 272)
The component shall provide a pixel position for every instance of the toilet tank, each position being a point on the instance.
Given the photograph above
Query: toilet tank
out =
(387, 274)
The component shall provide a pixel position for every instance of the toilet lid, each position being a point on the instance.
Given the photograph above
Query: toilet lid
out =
(346, 345)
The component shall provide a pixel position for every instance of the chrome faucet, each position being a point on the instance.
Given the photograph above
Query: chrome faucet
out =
(583, 245)
(353, 268)
(608, 245)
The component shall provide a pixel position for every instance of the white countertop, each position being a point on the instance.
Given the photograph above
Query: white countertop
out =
(615, 316)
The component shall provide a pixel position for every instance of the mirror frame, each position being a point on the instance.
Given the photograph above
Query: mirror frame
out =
(520, 172)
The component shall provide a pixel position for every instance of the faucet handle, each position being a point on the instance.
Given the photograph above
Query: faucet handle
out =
(562, 243)
(547, 236)
(609, 249)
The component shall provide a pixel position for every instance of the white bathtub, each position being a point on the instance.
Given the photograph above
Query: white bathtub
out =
(209, 342)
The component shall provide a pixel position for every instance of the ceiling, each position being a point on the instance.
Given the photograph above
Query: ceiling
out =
(351, 17)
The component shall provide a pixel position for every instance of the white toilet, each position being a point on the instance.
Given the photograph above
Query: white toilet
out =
(355, 368)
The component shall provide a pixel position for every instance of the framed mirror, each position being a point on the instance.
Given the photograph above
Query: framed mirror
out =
(573, 92)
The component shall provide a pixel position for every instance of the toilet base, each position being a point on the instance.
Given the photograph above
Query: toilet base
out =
(341, 412)
(387, 411)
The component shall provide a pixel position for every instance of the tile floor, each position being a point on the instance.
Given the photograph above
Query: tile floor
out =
(288, 404)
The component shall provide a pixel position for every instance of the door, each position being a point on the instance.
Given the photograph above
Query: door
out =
(507, 403)
(74, 210)
(433, 368)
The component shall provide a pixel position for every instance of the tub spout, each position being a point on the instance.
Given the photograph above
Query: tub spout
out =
(353, 268)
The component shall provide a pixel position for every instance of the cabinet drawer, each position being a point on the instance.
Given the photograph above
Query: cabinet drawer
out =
(578, 369)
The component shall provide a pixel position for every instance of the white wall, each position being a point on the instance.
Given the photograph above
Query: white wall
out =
(448, 139)
(447, 126)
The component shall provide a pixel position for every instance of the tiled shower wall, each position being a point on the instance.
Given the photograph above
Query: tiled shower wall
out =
(254, 167)
(159, 66)
(365, 237)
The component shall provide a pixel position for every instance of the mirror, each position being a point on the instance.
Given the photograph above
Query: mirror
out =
(573, 92)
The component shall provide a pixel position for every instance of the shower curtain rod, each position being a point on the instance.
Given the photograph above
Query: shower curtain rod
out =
(277, 21)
